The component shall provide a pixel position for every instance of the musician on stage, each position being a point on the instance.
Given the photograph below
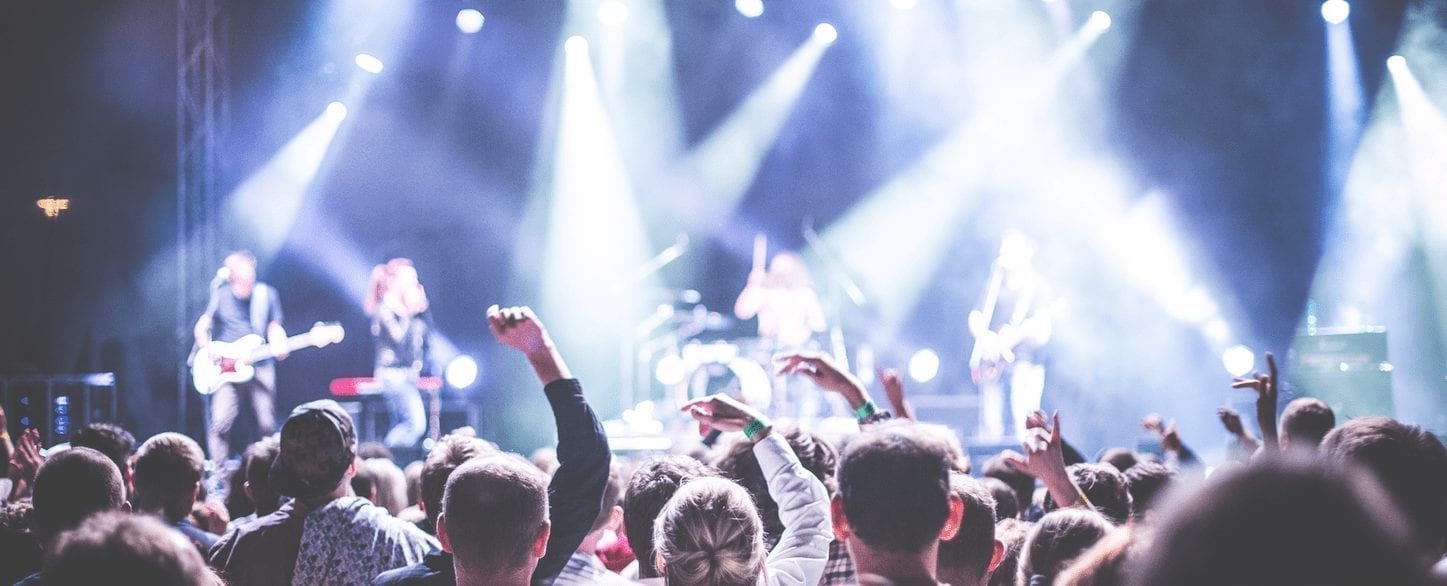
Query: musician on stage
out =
(241, 306)
(1010, 329)
(789, 313)
(400, 324)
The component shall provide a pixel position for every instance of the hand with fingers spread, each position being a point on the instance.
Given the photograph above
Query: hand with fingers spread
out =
(1044, 459)
(725, 413)
(1231, 420)
(894, 391)
(27, 458)
(1266, 387)
(821, 369)
(520, 328)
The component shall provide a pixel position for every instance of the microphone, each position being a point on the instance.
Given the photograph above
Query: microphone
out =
(222, 274)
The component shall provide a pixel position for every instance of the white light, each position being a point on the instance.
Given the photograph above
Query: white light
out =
(337, 110)
(903, 4)
(613, 13)
(924, 365)
(750, 8)
(1238, 360)
(469, 20)
(461, 372)
(576, 45)
(1099, 20)
(1335, 11)
(670, 370)
(825, 33)
(369, 63)
(1397, 63)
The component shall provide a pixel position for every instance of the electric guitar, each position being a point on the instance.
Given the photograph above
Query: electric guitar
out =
(222, 363)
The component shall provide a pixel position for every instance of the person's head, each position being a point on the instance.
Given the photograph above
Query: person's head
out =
(364, 482)
(495, 517)
(788, 269)
(241, 267)
(1120, 458)
(256, 463)
(1146, 482)
(317, 453)
(969, 556)
(1409, 462)
(413, 473)
(740, 465)
(109, 439)
(1304, 423)
(238, 503)
(710, 533)
(1059, 538)
(372, 450)
(650, 487)
(1023, 484)
(1105, 487)
(445, 457)
(390, 484)
(610, 513)
(1282, 521)
(22, 549)
(1011, 534)
(168, 474)
(894, 493)
(1005, 505)
(113, 546)
(1107, 562)
(71, 486)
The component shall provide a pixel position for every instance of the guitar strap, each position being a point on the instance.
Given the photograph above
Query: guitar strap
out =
(260, 308)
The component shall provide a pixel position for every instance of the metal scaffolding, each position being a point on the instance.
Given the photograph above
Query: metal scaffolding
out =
(201, 118)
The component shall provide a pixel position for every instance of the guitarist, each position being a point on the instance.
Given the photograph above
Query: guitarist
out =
(1010, 329)
(241, 306)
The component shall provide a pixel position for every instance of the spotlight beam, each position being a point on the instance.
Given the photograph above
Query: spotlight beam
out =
(265, 205)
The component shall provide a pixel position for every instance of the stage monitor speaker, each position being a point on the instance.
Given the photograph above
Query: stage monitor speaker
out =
(1348, 370)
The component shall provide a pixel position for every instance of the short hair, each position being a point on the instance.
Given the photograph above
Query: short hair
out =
(168, 469)
(71, 486)
(649, 489)
(742, 466)
(1146, 481)
(1120, 458)
(1409, 462)
(1023, 484)
(894, 481)
(710, 533)
(391, 484)
(1059, 538)
(1011, 534)
(445, 457)
(1284, 520)
(257, 460)
(1006, 507)
(372, 450)
(612, 493)
(109, 439)
(969, 551)
(137, 548)
(1305, 422)
(494, 508)
(1104, 486)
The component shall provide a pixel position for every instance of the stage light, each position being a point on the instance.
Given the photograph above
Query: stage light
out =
(1335, 11)
(576, 46)
(924, 365)
(750, 8)
(1099, 20)
(1397, 64)
(1238, 360)
(52, 206)
(337, 111)
(369, 63)
(903, 4)
(613, 13)
(825, 33)
(670, 370)
(461, 372)
(469, 20)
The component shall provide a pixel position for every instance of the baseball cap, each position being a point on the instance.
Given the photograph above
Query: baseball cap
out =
(318, 444)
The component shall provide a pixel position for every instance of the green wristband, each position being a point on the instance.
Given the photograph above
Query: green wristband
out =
(865, 411)
(753, 428)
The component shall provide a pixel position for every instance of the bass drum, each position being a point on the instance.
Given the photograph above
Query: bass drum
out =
(722, 367)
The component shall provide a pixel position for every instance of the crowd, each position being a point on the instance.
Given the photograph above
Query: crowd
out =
(1312, 501)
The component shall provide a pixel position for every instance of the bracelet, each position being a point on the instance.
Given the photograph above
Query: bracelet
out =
(753, 428)
(865, 411)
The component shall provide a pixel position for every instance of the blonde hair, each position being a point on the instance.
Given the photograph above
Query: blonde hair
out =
(710, 533)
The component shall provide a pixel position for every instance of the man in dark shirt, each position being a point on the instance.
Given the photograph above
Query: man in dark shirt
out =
(576, 491)
(243, 307)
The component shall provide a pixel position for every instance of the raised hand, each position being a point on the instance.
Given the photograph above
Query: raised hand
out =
(821, 369)
(721, 412)
(1035, 420)
(1266, 387)
(1231, 420)
(894, 391)
(1044, 458)
(520, 328)
(27, 458)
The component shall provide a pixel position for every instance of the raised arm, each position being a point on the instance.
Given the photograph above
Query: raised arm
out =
(576, 490)
(827, 375)
(1266, 387)
(1044, 459)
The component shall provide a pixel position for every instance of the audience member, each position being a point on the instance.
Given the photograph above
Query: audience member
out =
(1005, 505)
(1119, 458)
(494, 520)
(446, 456)
(1410, 464)
(1011, 534)
(109, 439)
(238, 503)
(649, 489)
(1107, 562)
(1021, 483)
(1283, 521)
(324, 535)
(1104, 486)
(18, 541)
(390, 483)
(1059, 538)
(1146, 481)
(968, 558)
(115, 547)
(257, 462)
(69, 488)
(167, 478)
(1304, 423)
(413, 513)
(585, 567)
(741, 465)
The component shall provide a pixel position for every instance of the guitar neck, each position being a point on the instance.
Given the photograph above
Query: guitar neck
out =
(268, 351)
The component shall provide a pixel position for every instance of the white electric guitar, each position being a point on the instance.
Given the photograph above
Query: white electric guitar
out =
(221, 363)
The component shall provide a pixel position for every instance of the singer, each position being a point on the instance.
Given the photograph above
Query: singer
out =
(400, 324)
(242, 307)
